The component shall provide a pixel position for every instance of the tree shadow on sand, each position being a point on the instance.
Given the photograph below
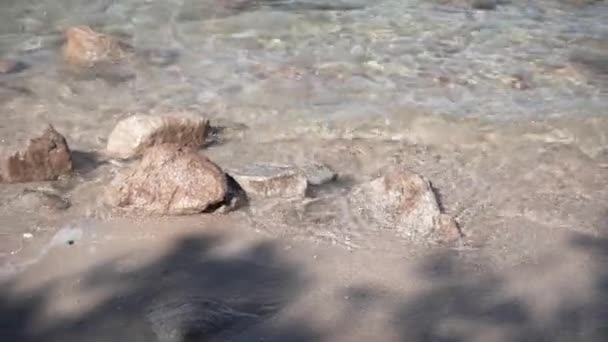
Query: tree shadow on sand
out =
(194, 294)
(462, 305)
(188, 295)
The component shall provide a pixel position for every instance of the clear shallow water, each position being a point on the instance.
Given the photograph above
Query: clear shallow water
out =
(297, 62)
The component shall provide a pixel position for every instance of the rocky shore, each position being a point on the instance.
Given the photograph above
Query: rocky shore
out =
(217, 170)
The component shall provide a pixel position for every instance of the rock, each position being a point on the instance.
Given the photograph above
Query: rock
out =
(85, 47)
(269, 180)
(317, 174)
(134, 134)
(44, 158)
(170, 179)
(400, 200)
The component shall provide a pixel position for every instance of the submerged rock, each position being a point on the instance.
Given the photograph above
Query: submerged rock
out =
(402, 200)
(43, 158)
(269, 180)
(170, 179)
(85, 47)
(134, 134)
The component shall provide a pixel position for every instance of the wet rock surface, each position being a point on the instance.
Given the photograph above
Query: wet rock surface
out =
(170, 180)
(131, 136)
(271, 181)
(45, 157)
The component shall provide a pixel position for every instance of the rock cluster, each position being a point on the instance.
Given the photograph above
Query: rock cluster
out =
(174, 177)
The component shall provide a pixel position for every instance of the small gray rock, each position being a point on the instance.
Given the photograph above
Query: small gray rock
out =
(270, 180)
(318, 174)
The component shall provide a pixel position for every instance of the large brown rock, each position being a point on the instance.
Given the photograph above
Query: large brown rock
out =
(85, 47)
(404, 201)
(170, 180)
(134, 134)
(40, 159)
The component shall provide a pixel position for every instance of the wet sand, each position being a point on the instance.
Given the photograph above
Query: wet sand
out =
(530, 266)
